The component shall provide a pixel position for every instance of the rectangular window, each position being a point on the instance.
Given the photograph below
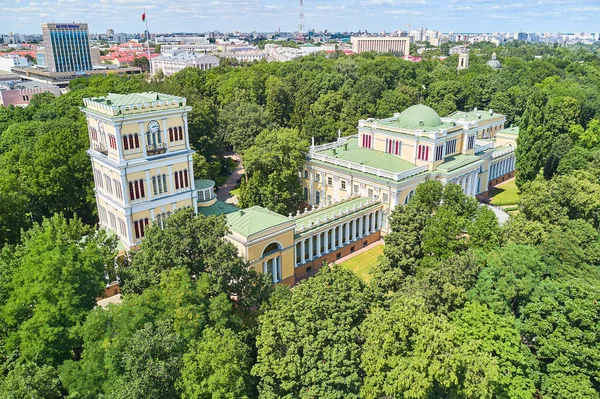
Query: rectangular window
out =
(451, 147)
(370, 193)
(439, 152)
(384, 197)
(329, 199)
(343, 184)
(306, 174)
(423, 153)
(318, 177)
(330, 181)
(356, 189)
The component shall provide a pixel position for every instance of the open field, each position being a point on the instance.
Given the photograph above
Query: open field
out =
(505, 193)
(362, 263)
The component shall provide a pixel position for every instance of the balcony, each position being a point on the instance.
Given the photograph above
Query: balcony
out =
(101, 148)
(155, 149)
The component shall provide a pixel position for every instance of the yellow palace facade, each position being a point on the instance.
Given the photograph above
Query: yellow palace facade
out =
(143, 172)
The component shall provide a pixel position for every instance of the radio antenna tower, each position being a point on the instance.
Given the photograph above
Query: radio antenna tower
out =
(301, 18)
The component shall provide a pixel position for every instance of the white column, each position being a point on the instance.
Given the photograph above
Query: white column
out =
(381, 220)
(340, 237)
(469, 184)
(347, 232)
(373, 228)
(326, 241)
(295, 254)
(143, 139)
(360, 227)
(318, 245)
(310, 248)
(302, 260)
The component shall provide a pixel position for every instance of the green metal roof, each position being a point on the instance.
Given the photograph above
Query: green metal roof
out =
(479, 115)
(117, 100)
(373, 158)
(419, 115)
(218, 208)
(509, 130)
(308, 220)
(203, 184)
(457, 161)
(254, 220)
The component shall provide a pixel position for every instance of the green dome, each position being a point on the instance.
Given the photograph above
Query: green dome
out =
(419, 116)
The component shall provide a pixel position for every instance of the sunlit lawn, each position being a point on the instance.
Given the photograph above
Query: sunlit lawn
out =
(361, 264)
(505, 193)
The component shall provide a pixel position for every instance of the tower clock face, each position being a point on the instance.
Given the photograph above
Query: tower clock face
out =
(153, 127)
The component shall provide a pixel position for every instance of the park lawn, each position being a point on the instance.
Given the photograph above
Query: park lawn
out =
(505, 193)
(361, 264)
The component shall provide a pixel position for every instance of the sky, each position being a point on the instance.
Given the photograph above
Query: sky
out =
(25, 16)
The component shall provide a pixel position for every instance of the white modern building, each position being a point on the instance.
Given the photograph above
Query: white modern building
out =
(175, 61)
(12, 60)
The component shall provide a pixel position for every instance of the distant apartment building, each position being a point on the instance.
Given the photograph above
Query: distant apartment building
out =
(380, 44)
(20, 93)
(182, 40)
(40, 56)
(67, 47)
(95, 54)
(177, 60)
(247, 54)
(200, 48)
(12, 60)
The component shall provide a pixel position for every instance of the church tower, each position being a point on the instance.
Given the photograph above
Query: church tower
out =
(141, 160)
(463, 59)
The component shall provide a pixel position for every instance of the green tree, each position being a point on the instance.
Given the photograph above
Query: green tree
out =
(411, 353)
(272, 166)
(509, 277)
(240, 123)
(309, 339)
(57, 272)
(197, 244)
(29, 381)
(218, 365)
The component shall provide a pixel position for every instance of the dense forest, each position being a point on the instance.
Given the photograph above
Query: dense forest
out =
(458, 307)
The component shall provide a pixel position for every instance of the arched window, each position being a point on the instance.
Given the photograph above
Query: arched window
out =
(137, 141)
(130, 141)
(271, 248)
(180, 133)
(170, 134)
(125, 143)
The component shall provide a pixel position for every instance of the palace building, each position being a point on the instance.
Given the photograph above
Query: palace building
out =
(389, 158)
(143, 171)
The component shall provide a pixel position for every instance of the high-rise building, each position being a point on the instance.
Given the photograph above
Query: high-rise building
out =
(67, 47)
(361, 44)
(141, 160)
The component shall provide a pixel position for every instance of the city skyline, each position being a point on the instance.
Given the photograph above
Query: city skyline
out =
(333, 15)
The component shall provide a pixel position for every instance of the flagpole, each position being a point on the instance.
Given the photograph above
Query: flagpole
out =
(148, 42)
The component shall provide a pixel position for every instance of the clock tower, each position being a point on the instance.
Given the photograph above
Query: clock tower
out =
(141, 161)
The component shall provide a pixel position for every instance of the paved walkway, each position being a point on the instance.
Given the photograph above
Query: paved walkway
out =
(224, 193)
(500, 214)
(360, 251)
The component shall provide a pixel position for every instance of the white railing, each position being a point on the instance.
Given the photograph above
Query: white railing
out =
(503, 152)
(484, 147)
(329, 146)
(396, 176)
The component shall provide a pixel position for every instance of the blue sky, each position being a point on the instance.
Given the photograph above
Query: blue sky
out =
(335, 15)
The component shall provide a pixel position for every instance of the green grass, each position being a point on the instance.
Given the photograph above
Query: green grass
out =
(361, 264)
(505, 193)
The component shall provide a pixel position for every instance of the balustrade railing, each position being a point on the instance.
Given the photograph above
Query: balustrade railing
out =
(153, 149)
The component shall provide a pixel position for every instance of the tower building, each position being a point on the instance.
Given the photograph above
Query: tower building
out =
(141, 160)
(463, 59)
(67, 47)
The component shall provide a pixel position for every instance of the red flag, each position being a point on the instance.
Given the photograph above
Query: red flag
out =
(144, 16)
